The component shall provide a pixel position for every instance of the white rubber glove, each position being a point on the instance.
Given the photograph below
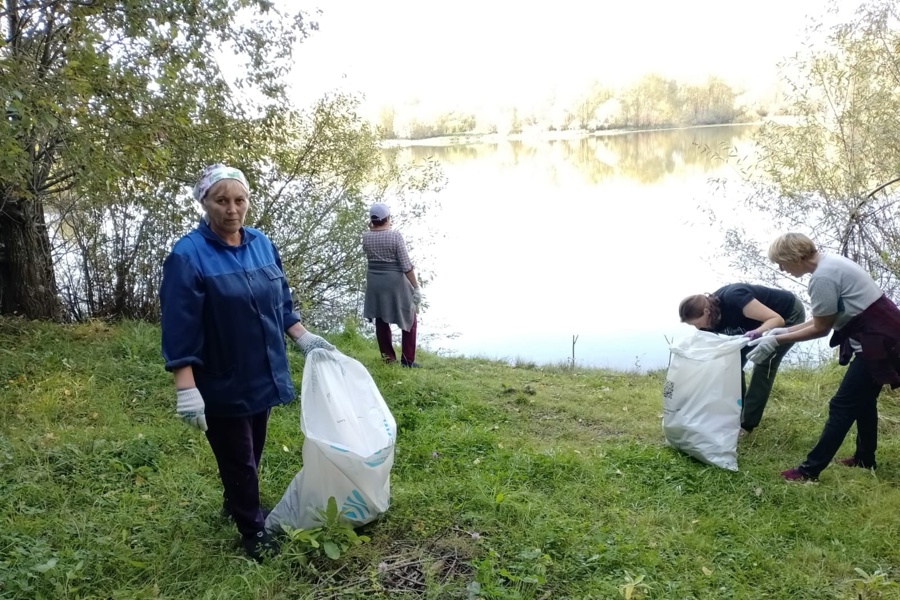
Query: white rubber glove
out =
(765, 348)
(776, 331)
(310, 341)
(190, 408)
(417, 296)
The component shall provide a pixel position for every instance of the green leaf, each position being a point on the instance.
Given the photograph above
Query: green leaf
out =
(332, 550)
(331, 512)
(44, 567)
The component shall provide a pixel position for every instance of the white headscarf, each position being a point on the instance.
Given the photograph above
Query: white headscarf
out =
(214, 173)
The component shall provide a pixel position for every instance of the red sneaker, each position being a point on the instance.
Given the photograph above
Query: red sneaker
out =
(851, 461)
(795, 475)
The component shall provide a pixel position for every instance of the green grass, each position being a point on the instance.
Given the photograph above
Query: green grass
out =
(509, 482)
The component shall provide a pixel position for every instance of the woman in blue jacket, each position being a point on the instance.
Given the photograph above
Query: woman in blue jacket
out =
(226, 307)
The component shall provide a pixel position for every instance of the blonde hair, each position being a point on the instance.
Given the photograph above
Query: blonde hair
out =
(791, 248)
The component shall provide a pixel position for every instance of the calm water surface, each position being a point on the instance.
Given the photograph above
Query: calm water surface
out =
(598, 237)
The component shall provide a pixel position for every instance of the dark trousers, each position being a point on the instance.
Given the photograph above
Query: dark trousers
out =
(386, 342)
(756, 395)
(855, 400)
(237, 443)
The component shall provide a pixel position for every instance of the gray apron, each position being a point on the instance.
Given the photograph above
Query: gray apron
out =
(389, 295)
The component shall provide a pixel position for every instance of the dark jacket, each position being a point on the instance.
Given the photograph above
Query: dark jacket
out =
(877, 330)
(735, 297)
(225, 310)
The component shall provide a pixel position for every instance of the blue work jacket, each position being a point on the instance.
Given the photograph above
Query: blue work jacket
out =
(225, 310)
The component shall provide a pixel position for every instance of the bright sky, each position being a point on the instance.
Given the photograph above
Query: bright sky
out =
(492, 50)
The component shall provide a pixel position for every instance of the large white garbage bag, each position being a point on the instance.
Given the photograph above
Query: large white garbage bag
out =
(348, 448)
(702, 397)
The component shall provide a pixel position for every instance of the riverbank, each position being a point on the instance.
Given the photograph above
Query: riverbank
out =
(573, 134)
(509, 482)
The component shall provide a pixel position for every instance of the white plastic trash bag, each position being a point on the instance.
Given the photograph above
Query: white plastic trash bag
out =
(348, 448)
(702, 397)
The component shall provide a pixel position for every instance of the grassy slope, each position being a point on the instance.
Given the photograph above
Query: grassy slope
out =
(508, 483)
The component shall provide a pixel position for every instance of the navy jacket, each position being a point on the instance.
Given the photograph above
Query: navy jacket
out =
(225, 310)
(735, 297)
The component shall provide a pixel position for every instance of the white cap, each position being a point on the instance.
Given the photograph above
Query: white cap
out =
(380, 211)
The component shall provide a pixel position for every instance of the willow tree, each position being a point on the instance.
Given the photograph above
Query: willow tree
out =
(832, 171)
(97, 92)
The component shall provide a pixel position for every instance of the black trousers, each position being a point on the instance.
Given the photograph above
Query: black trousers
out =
(855, 400)
(237, 443)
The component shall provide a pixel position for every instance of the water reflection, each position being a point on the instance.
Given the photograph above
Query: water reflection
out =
(646, 156)
(599, 237)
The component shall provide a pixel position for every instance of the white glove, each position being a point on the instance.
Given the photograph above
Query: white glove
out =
(417, 296)
(765, 348)
(310, 341)
(190, 408)
(776, 331)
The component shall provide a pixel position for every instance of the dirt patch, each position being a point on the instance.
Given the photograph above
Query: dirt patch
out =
(411, 574)
(411, 569)
(442, 561)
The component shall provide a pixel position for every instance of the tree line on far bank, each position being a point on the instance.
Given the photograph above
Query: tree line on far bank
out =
(652, 102)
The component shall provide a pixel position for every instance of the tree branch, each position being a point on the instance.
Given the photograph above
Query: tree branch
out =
(882, 186)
